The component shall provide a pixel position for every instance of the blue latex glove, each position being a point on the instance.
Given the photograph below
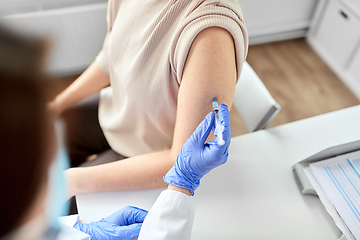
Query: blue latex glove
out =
(197, 158)
(121, 225)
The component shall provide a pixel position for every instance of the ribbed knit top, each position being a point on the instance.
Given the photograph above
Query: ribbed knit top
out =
(144, 54)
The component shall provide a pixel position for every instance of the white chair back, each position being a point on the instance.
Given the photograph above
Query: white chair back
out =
(253, 101)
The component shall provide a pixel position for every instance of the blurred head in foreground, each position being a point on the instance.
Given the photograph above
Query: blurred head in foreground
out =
(27, 142)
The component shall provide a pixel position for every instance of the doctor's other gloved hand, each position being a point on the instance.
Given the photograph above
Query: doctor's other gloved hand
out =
(196, 157)
(121, 225)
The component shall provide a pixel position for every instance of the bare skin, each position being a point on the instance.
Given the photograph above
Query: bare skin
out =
(210, 71)
(179, 189)
(90, 82)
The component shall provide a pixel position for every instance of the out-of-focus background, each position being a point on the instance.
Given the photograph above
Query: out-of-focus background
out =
(306, 52)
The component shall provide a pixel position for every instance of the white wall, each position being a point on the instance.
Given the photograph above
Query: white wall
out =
(75, 34)
(10, 7)
(267, 19)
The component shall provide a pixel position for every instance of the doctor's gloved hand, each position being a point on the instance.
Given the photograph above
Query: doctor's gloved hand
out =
(121, 225)
(196, 157)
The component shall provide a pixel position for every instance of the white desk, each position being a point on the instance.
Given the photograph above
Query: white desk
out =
(254, 195)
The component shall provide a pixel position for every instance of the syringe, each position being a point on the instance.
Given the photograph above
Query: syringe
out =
(218, 127)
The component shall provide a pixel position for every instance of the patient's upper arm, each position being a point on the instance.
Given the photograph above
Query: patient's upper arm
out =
(210, 71)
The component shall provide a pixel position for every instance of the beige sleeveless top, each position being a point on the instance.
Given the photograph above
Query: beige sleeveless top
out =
(144, 54)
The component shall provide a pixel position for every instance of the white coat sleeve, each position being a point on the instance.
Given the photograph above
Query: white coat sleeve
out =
(171, 217)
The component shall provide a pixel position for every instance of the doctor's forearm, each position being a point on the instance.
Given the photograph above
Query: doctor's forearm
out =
(135, 173)
(179, 189)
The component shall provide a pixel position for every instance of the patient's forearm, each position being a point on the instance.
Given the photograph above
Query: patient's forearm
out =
(140, 172)
(90, 82)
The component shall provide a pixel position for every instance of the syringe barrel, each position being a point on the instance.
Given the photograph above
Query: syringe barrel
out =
(219, 128)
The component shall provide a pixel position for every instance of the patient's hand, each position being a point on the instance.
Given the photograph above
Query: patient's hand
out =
(70, 188)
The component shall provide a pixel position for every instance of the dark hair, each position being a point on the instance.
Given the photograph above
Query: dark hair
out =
(23, 126)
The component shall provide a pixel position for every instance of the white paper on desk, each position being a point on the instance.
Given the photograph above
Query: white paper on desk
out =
(328, 205)
(70, 233)
(69, 220)
(339, 178)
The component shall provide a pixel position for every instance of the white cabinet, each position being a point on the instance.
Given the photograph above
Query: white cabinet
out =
(269, 20)
(338, 32)
(335, 36)
(354, 69)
